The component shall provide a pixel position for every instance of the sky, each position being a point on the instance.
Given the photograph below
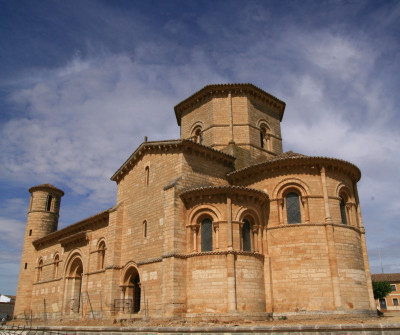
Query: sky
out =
(82, 83)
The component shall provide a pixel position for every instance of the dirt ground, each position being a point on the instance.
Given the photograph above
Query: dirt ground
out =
(389, 317)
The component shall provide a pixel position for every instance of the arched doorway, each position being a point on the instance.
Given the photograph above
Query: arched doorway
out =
(73, 285)
(132, 288)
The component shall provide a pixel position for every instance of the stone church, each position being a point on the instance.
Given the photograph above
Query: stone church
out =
(218, 223)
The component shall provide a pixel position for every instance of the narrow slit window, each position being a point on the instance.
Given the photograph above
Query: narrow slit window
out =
(48, 203)
(30, 232)
(343, 210)
(56, 262)
(146, 175)
(26, 266)
(246, 235)
(145, 229)
(262, 139)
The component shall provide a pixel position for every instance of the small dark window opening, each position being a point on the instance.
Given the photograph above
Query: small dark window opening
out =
(262, 139)
(246, 235)
(343, 210)
(146, 175)
(30, 232)
(293, 208)
(26, 266)
(206, 235)
(144, 229)
(48, 205)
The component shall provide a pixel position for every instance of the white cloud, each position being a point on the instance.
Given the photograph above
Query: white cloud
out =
(80, 122)
(11, 234)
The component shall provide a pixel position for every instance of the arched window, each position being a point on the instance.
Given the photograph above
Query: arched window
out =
(206, 235)
(343, 210)
(40, 269)
(262, 136)
(265, 140)
(101, 255)
(293, 208)
(48, 203)
(146, 175)
(197, 135)
(246, 235)
(144, 227)
(56, 263)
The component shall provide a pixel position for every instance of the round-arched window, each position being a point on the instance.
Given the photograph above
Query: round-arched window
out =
(246, 235)
(293, 208)
(206, 235)
(343, 210)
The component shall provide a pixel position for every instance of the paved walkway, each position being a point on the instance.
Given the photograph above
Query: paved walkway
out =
(341, 329)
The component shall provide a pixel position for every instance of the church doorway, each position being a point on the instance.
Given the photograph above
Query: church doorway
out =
(74, 285)
(132, 287)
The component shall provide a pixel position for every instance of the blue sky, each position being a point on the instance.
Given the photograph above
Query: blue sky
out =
(82, 83)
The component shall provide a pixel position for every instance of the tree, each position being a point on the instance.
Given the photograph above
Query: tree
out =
(381, 289)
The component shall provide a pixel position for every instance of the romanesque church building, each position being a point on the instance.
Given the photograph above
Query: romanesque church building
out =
(220, 223)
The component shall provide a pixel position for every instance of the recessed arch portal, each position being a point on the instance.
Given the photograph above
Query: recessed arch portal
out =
(131, 288)
(73, 283)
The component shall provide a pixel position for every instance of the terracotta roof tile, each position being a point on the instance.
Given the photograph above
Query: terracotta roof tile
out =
(389, 277)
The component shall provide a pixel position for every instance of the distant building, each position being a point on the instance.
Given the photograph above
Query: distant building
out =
(7, 303)
(218, 223)
(392, 301)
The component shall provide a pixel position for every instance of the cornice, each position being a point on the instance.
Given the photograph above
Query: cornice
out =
(226, 190)
(77, 238)
(285, 161)
(76, 228)
(318, 224)
(218, 89)
(47, 187)
(170, 146)
(47, 281)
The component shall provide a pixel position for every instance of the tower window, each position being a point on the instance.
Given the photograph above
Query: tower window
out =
(197, 135)
(55, 269)
(26, 266)
(265, 137)
(30, 232)
(206, 235)
(146, 175)
(48, 203)
(262, 139)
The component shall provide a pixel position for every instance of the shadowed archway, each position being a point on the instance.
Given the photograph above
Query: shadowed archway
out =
(132, 288)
